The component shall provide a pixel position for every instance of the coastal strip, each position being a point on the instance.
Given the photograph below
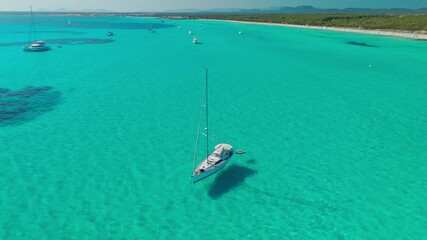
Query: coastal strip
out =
(394, 33)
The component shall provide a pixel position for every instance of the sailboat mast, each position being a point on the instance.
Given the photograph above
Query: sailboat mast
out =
(207, 115)
(31, 27)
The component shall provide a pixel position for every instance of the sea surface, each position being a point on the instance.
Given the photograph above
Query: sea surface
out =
(97, 135)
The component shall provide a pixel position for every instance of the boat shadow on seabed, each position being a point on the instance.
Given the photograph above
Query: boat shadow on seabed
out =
(228, 179)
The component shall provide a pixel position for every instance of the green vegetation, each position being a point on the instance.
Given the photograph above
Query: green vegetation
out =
(366, 21)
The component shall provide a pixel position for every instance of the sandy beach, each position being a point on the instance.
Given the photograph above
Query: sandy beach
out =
(404, 34)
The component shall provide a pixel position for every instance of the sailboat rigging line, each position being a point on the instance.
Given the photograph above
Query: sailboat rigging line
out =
(198, 129)
(207, 122)
(198, 135)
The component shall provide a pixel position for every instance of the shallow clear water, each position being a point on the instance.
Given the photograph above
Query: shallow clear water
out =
(97, 137)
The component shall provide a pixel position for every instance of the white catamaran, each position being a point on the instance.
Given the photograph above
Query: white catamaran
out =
(219, 157)
(37, 46)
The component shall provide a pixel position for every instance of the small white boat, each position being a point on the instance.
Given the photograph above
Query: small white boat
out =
(179, 27)
(219, 157)
(109, 33)
(37, 46)
(190, 32)
(240, 32)
(195, 41)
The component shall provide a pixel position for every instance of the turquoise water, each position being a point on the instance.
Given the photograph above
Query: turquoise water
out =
(97, 137)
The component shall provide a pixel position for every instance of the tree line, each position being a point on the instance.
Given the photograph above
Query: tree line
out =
(410, 22)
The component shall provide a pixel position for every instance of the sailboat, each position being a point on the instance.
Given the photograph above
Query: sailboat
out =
(216, 160)
(109, 33)
(37, 46)
(151, 29)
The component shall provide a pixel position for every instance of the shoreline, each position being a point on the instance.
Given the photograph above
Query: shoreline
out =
(382, 32)
(415, 35)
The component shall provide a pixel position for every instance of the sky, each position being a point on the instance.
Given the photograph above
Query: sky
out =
(164, 5)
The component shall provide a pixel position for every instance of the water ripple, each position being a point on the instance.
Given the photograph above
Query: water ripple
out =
(69, 41)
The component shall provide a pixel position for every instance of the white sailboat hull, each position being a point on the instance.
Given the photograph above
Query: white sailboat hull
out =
(36, 49)
(215, 162)
(206, 174)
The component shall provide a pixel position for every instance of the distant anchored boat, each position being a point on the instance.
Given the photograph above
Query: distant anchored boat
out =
(151, 29)
(195, 41)
(109, 33)
(37, 46)
(190, 32)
